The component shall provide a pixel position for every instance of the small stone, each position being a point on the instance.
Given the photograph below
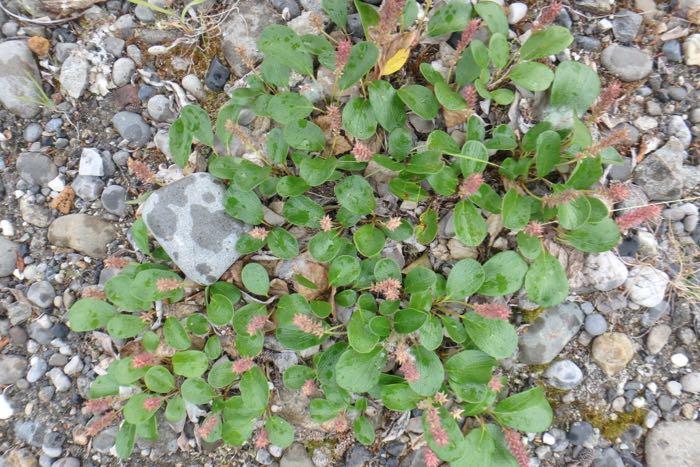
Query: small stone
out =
(288, 8)
(114, 200)
(358, 456)
(658, 338)
(691, 382)
(32, 132)
(626, 25)
(564, 374)
(37, 369)
(132, 128)
(88, 234)
(691, 50)
(193, 85)
(672, 51)
(296, 456)
(8, 256)
(88, 187)
(677, 127)
(35, 168)
(12, 368)
(679, 360)
(646, 285)
(673, 444)
(516, 12)
(595, 324)
(542, 341)
(74, 74)
(580, 433)
(74, 366)
(60, 381)
(159, 108)
(627, 63)
(612, 352)
(52, 445)
(91, 163)
(284, 360)
(217, 75)
(41, 294)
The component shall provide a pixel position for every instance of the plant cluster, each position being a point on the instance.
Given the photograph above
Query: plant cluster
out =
(415, 338)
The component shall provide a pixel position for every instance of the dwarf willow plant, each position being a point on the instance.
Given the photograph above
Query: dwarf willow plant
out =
(404, 339)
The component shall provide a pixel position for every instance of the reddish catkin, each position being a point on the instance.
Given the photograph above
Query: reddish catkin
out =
(308, 324)
(471, 185)
(261, 439)
(638, 216)
(437, 431)
(101, 423)
(116, 262)
(495, 384)
(470, 96)
(430, 458)
(467, 36)
(607, 98)
(168, 285)
(140, 170)
(393, 223)
(258, 233)
(308, 389)
(362, 152)
(557, 199)
(389, 15)
(548, 15)
(100, 405)
(616, 192)
(326, 223)
(334, 118)
(151, 403)
(516, 447)
(390, 288)
(492, 310)
(256, 323)
(342, 54)
(407, 363)
(208, 427)
(242, 365)
(93, 291)
(534, 229)
(143, 360)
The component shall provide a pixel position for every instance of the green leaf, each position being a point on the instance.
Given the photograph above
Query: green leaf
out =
(419, 279)
(289, 333)
(448, 98)
(277, 147)
(369, 240)
(213, 347)
(197, 123)
(221, 374)
(219, 310)
(430, 334)
(363, 56)
(243, 205)
(88, 314)
(505, 272)
(302, 211)
(358, 372)
(324, 246)
(420, 100)
(279, 431)
(445, 181)
(103, 386)
(296, 375)
(125, 326)
(284, 45)
(175, 410)
(452, 17)
(470, 367)
(322, 410)
(532, 76)
(529, 246)
(368, 15)
(175, 335)
(355, 194)
(360, 337)
(545, 282)
(454, 329)
(470, 226)
(316, 171)
(467, 69)
(587, 172)
(358, 118)
(399, 397)
(454, 448)
(386, 105)
(400, 143)
(179, 142)
(499, 50)
(139, 232)
(134, 411)
(494, 16)
(574, 214)
(282, 244)
(255, 279)
(364, 430)
(596, 237)
(576, 87)
(292, 185)
(465, 278)
(515, 210)
(527, 411)
(274, 73)
(196, 391)
(427, 228)
(288, 107)
(430, 370)
(124, 444)
(495, 337)
(407, 190)
(255, 389)
(409, 320)
(549, 41)
(548, 152)
(337, 11)
(190, 363)
(304, 135)
(343, 270)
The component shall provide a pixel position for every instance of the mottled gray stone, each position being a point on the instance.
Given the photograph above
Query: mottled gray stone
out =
(296, 456)
(35, 168)
(243, 30)
(87, 234)
(41, 294)
(12, 368)
(564, 374)
(627, 63)
(542, 341)
(74, 77)
(188, 219)
(114, 200)
(673, 444)
(132, 128)
(626, 25)
(659, 174)
(88, 187)
(18, 77)
(8, 256)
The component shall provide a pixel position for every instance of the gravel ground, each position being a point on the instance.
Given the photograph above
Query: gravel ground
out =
(620, 361)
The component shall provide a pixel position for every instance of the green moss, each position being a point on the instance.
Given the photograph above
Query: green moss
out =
(530, 316)
(612, 426)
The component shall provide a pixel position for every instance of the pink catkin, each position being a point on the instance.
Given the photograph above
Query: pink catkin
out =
(495, 384)
(470, 96)
(393, 223)
(607, 98)
(407, 363)
(471, 185)
(437, 431)
(144, 359)
(308, 324)
(261, 439)
(534, 229)
(256, 323)
(99, 405)
(390, 288)
(638, 216)
(617, 192)
(362, 152)
(342, 54)
(326, 223)
(467, 35)
(151, 403)
(208, 427)
(549, 14)
(516, 447)
(389, 15)
(430, 458)
(308, 389)
(492, 310)
(258, 233)
(334, 118)
(168, 285)
(242, 365)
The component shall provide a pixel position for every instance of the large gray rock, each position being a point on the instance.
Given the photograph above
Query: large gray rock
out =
(188, 219)
(242, 30)
(35, 168)
(8, 256)
(542, 341)
(673, 444)
(19, 78)
(596, 6)
(87, 234)
(659, 174)
(627, 63)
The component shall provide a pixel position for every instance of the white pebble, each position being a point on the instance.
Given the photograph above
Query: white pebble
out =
(516, 12)
(548, 439)
(57, 184)
(7, 228)
(639, 402)
(679, 360)
(605, 24)
(6, 410)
